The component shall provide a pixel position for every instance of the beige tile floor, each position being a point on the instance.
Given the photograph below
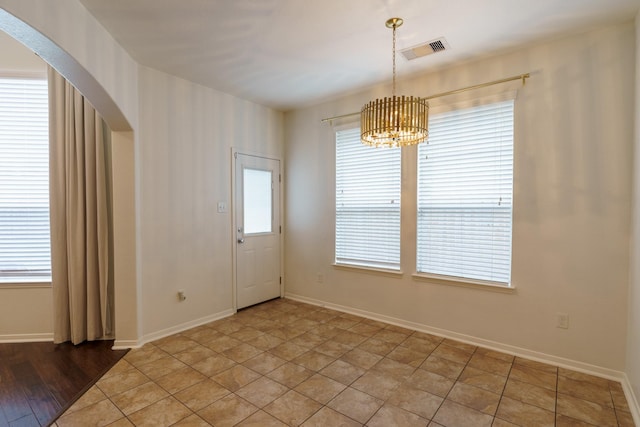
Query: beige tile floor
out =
(287, 363)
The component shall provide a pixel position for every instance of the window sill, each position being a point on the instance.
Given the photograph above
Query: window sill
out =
(24, 283)
(370, 270)
(464, 283)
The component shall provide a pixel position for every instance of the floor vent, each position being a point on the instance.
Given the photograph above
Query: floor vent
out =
(425, 49)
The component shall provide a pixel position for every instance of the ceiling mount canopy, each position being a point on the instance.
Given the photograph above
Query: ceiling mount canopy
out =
(395, 121)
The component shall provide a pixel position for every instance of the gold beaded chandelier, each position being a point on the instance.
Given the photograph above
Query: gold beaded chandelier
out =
(395, 121)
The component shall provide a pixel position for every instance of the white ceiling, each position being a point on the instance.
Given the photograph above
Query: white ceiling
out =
(290, 53)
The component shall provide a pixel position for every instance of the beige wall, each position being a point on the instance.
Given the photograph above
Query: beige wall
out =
(18, 59)
(573, 146)
(26, 313)
(633, 334)
(185, 138)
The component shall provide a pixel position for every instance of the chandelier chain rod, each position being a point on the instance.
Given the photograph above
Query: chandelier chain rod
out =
(522, 77)
(393, 89)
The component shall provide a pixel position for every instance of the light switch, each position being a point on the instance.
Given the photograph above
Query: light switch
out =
(222, 207)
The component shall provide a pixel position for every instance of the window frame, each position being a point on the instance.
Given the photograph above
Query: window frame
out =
(461, 280)
(409, 190)
(19, 280)
(395, 270)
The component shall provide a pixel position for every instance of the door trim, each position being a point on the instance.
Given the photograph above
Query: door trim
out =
(234, 226)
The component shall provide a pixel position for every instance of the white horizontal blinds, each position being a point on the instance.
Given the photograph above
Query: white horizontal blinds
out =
(465, 183)
(24, 179)
(367, 203)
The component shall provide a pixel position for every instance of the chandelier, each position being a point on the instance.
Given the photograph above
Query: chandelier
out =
(395, 121)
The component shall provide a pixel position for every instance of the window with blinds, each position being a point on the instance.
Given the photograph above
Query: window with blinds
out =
(25, 253)
(367, 203)
(465, 183)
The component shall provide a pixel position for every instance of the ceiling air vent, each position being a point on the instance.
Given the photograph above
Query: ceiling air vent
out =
(424, 49)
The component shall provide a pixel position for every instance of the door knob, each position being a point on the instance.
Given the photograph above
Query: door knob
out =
(241, 240)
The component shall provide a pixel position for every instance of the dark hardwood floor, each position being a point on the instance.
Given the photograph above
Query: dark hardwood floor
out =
(39, 381)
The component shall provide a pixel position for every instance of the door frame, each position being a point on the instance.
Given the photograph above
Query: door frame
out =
(234, 225)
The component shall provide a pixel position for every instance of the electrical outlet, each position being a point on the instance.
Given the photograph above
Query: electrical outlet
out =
(562, 320)
(319, 278)
(181, 295)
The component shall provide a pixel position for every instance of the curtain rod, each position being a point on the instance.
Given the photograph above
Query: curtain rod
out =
(522, 77)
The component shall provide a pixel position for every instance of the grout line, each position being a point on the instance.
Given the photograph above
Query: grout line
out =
(513, 362)
(452, 386)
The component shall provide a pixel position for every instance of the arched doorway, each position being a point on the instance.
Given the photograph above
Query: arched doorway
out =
(36, 24)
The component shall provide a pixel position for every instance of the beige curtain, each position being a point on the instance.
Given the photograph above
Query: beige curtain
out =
(80, 216)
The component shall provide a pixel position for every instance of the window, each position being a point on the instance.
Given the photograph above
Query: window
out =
(258, 194)
(465, 182)
(25, 253)
(367, 203)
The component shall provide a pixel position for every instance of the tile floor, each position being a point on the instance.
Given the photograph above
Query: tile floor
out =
(288, 363)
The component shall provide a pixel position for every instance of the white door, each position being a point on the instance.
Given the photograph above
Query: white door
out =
(257, 217)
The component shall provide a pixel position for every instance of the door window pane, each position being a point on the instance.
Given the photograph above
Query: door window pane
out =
(257, 201)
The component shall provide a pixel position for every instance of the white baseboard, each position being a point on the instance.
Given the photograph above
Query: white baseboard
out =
(492, 345)
(18, 338)
(184, 326)
(632, 399)
(126, 344)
